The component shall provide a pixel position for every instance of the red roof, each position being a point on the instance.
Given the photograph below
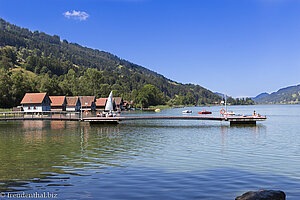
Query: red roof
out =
(118, 100)
(31, 98)
(87, 100)
(71, 101)
(57, 100)
(101, 101)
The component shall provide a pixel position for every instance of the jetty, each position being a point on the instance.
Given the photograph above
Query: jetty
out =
(76, 116)
(232, 120)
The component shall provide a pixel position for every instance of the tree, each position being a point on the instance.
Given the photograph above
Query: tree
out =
(70, 84)
(50, 85)
(20, 85)
(149, 95)
(5, 93)
(91, 82)
(9, 53)
(189, 99)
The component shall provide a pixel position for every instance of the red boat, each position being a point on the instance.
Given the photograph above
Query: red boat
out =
(204, 112)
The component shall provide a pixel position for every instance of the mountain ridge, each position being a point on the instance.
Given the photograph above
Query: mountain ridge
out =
(286, 95)
(261, 95)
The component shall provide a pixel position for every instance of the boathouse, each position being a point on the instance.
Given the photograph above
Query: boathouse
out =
(58, 103)
(88, 103)
(119, 103)
(36, 102)
(100, 104)
(73, 104)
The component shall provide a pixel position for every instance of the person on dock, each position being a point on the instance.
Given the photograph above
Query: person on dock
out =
(254, 113)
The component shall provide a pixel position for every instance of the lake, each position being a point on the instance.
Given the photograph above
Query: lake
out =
(153, 159)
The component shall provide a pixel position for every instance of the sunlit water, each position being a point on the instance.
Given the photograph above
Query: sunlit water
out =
(153, 159)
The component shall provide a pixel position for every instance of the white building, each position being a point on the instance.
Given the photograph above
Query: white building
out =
(73, 104)
(36, 102)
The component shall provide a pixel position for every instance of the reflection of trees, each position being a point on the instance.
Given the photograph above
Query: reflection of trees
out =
(30, 151)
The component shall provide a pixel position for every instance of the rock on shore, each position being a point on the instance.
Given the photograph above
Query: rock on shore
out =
(262, 195)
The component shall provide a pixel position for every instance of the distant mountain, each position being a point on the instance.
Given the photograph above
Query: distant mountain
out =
(219, 94)
(62, 68)
(288, 95)
(236, 101)
(261, 95)
(222, 95)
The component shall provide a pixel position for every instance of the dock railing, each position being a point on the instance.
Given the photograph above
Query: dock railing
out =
(44, 115)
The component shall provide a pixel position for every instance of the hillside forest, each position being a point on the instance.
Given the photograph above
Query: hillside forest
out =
(37, 62)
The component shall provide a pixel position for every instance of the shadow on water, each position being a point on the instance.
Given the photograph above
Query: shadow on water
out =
(149, 183)
(171, 124)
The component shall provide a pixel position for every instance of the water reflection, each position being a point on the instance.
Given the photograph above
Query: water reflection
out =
(254, 131)
(58, 124)
(224, 130)
(37, 148)
(34, 125)
(146, 159)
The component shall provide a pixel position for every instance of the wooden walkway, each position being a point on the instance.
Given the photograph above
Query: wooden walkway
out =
(232, 120)
(68, 116)
(49, 115)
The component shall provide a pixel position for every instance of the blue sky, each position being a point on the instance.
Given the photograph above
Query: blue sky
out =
(239, 47)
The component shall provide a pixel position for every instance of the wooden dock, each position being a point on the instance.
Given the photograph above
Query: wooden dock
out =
(232, 120)
(69, 116)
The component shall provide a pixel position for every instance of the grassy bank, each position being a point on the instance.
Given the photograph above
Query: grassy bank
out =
(5, 109)
(175, 106)
(164, 107)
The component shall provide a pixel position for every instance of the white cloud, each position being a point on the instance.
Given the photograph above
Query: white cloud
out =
(77, 15)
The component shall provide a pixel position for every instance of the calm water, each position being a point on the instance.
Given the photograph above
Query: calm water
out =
(153, 159)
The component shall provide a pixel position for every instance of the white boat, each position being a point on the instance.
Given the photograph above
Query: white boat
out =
(109, 107)
(187, 111)
(157, 110)
(229, 113)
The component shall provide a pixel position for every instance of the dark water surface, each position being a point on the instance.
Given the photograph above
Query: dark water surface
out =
(153, 159)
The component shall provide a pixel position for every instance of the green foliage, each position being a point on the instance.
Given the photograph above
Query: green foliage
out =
(240, 101)
(8, 58)
(149, 95)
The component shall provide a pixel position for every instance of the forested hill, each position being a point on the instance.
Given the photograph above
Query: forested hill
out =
(37, 62)
(288, 95)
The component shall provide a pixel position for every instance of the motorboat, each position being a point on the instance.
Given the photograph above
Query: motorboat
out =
(187, 111)
(205, 112)
(157, 110)
(229, 113)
